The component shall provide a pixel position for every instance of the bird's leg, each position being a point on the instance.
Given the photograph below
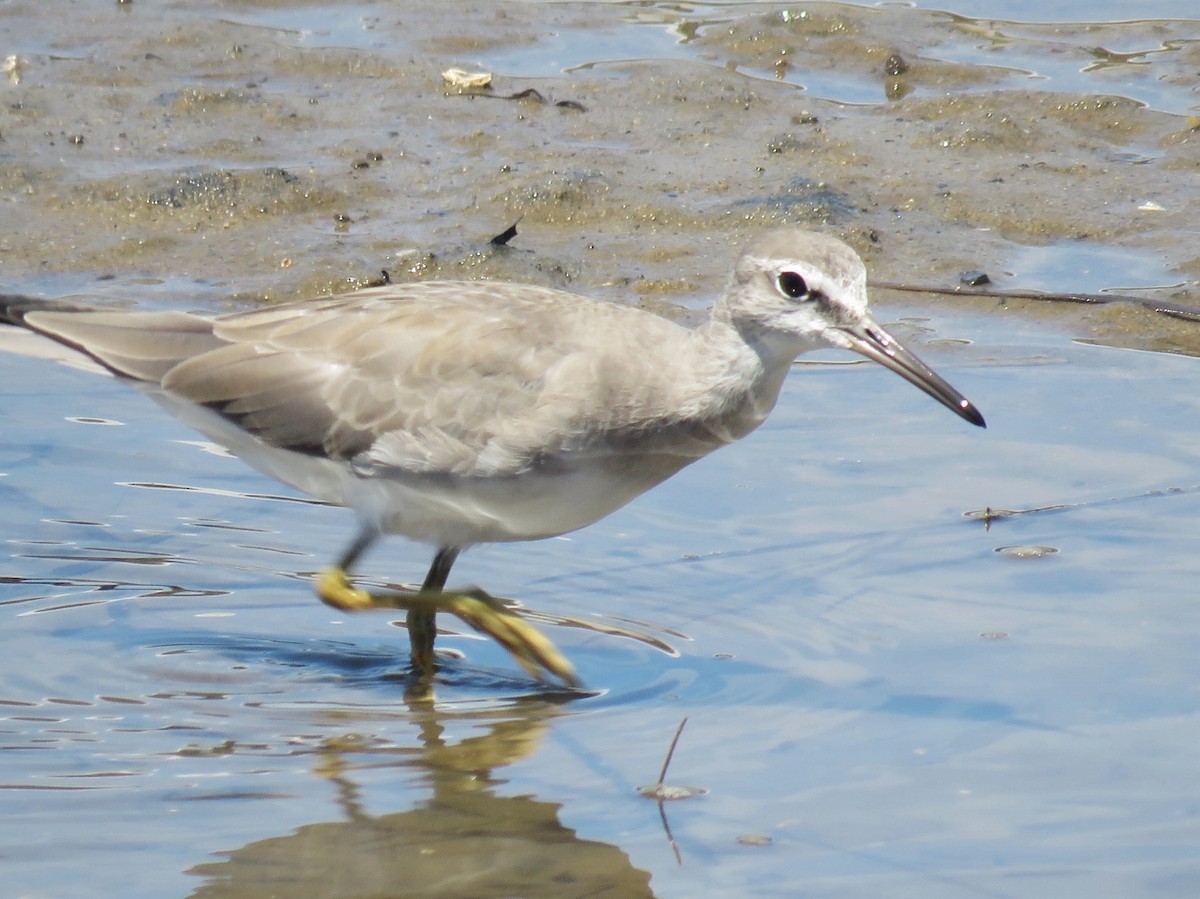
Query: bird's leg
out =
(333, 583)
(422, 620)
(484, 613)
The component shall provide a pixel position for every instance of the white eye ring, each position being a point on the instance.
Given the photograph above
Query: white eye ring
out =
(792, 285)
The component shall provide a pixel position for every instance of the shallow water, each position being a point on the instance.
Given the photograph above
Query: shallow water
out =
(889, 689)
(870, 683)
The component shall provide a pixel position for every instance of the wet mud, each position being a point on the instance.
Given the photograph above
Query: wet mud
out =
(244, 152)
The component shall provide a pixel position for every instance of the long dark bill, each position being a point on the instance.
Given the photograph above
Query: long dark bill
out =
(876, 344)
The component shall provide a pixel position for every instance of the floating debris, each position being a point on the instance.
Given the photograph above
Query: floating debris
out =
(1026, 552)
(464, 80)
(13, 66)
(502, 239)
(895, 65)
(664, 792)
(755, 839)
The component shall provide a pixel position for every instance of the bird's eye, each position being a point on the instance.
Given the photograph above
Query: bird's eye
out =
(793, 286)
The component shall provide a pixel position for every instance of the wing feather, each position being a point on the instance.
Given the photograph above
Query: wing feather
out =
(461, 378)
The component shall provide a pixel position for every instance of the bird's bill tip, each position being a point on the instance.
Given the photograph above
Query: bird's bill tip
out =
(878, 345)
(967, 410)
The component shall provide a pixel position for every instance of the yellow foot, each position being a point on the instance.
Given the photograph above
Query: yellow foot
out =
(532, 650)
(334, 587)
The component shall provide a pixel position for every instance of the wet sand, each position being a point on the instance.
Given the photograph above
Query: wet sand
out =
(244, 151)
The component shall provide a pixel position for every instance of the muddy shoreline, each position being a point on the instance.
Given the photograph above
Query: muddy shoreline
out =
(233, 160)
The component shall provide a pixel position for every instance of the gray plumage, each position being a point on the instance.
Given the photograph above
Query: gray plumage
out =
(463, 412)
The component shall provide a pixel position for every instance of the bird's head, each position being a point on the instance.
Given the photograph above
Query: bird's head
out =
(793, 291)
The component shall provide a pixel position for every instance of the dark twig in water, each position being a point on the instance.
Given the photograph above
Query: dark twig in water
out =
(528, 94)
(987, 515)
(1093, 299)
(662, 775)
(662, 816)
(660, 792)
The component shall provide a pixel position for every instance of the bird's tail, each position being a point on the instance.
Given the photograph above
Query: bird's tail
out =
(14, 307)
(141, 346)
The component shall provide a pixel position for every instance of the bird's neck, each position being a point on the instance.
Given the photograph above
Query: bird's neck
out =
(743, 378)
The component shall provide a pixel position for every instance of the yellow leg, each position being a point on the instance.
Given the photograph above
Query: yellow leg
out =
(533, 651)
(422, 622)
(422, 631)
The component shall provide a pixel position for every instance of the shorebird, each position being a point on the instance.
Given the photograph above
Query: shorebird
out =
(457, 413)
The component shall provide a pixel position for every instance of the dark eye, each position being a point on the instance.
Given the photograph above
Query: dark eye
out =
(793, 285)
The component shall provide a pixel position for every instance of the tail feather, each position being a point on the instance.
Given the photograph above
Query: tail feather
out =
(14, 306)
(142, 346)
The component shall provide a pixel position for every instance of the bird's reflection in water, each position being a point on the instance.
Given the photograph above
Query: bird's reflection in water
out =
(464, 840)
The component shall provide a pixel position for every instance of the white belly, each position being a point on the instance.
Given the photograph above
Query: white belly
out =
(441, 509)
